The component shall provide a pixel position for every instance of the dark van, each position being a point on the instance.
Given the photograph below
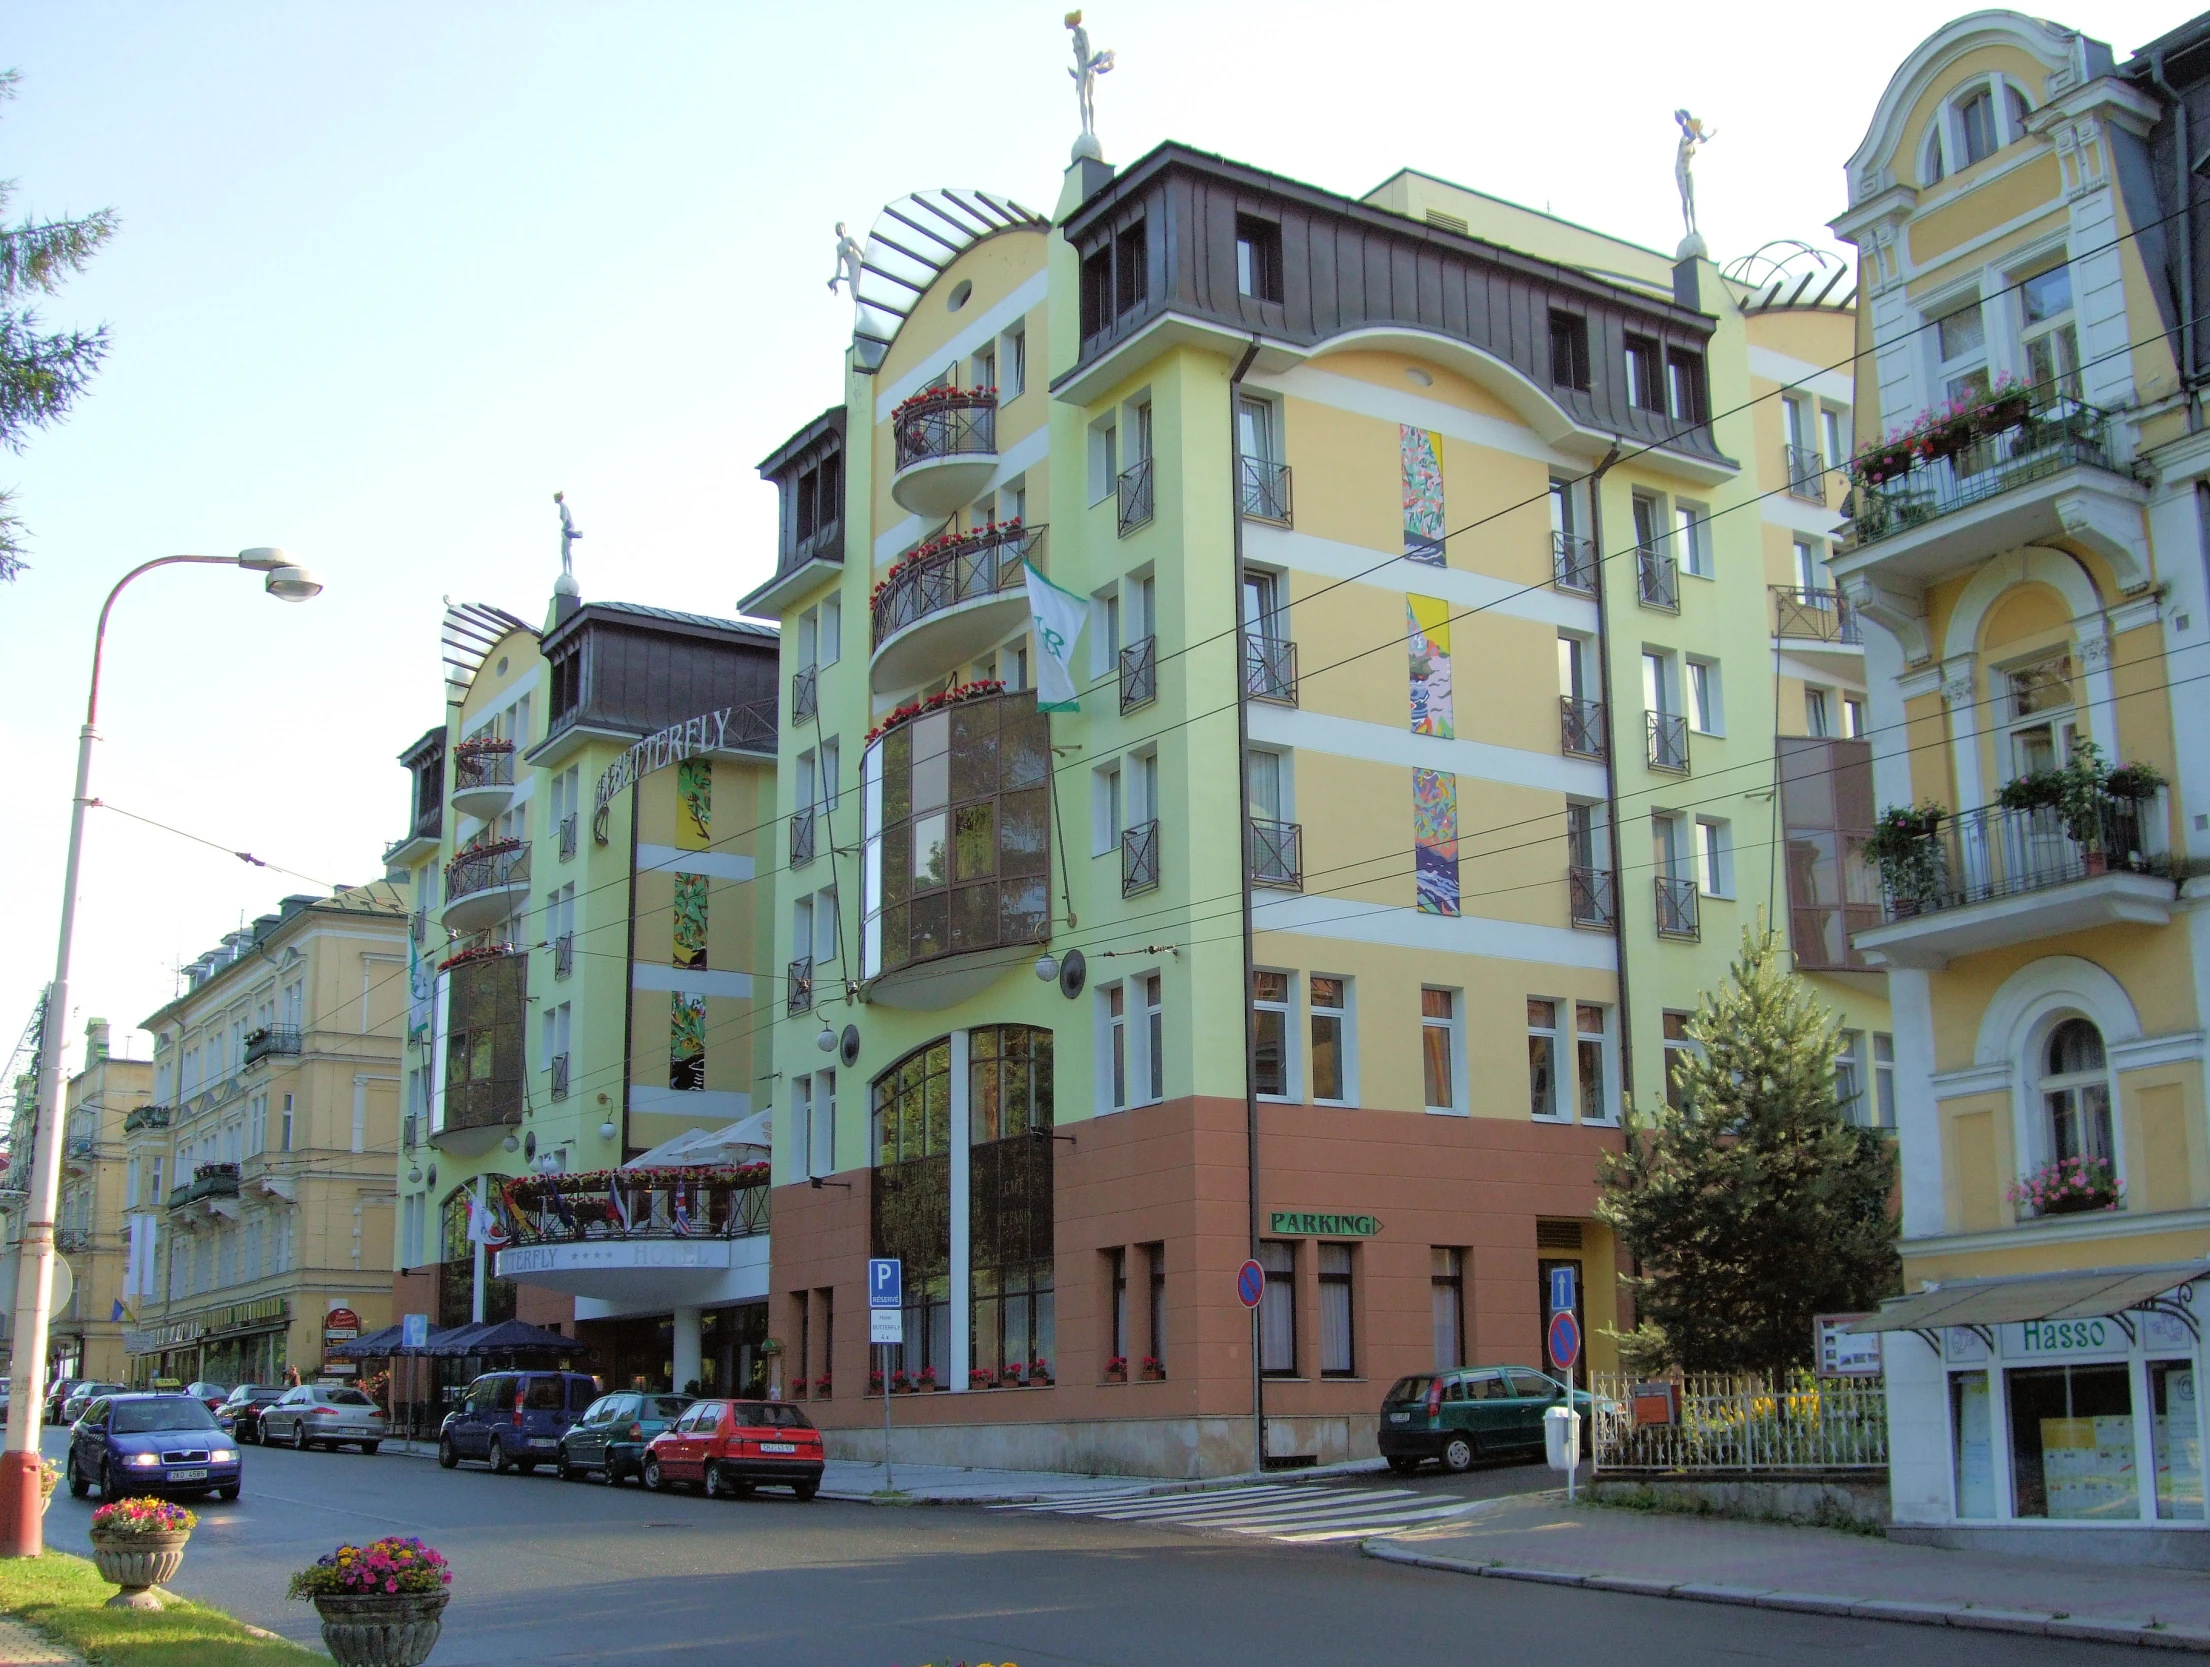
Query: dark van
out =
(514, 1420)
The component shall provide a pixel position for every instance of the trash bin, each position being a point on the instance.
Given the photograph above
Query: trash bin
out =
(1561, 1437)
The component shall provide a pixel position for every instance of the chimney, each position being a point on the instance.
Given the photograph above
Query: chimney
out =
(95, 1041)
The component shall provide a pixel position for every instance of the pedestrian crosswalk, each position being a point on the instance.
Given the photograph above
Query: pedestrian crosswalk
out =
(1290, 1512)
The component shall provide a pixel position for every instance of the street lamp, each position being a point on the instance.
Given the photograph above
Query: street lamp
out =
(21, 1498)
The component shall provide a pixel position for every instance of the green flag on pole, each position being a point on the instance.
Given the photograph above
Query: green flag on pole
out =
(1059, 616)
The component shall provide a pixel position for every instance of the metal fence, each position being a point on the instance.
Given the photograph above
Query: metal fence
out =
(1136, 497)
(1573, 563)
(1734, 1424)
(1139, 673)
(1581, 726)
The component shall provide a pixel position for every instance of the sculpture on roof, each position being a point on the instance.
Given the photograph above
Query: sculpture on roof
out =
(569, 533)
(1088, 66)
(848, 256)
(1693, 135)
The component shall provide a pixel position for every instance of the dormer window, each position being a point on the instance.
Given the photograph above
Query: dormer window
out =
(1979, 120)
(1976, 126)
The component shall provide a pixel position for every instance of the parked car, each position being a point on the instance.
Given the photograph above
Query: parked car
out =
(728, 1448)
(613, 1432)
(1471, 1413)
(129, 1444)
(241, 1411)
(57, 1393)
(323, 1415)
(84, 1395)
(214, 1394)
(514, 1420)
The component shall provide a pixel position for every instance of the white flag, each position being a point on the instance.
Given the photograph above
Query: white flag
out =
(1059, 617)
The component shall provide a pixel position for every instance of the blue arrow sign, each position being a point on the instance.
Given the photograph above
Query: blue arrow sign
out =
(885, 1282)
(1562, 1281)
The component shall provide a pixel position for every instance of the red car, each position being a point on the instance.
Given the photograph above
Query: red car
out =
(730, 1447)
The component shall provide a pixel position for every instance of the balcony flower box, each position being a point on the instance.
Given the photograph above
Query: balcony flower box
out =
(981, 689)
(1902, 846)
(1039, 1373)
(930, 399)
(981, 1377)
(2133, 781)
(2069, 1186)
(925, 1379)
(1116, 1369)
(1154, 1369)
(973, 538)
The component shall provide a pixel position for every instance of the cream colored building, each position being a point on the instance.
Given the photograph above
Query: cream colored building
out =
(259, 1183)
(86, 1334)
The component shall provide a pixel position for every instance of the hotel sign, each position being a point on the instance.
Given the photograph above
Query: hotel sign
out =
(1321, 1224)
(705, 733)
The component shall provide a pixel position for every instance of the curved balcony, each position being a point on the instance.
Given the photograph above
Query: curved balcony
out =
(485, 884)
(672, 1234)
(948, 602)
(483, 779)
(947, 449)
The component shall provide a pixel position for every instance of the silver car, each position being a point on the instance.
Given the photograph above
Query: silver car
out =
(324, 1415)
(84, 1395)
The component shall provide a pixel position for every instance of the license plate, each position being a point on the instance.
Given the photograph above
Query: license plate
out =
(778, 1447)
(544, 1441)
(188, 1475)
(1400, 1418)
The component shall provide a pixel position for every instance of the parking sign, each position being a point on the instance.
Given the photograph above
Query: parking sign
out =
(885, 1282)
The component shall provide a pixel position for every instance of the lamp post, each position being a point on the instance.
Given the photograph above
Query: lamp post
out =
(22, 1530)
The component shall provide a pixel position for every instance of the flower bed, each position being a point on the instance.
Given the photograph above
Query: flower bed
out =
(2069, 1186)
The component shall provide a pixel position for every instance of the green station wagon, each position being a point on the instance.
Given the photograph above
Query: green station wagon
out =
(1470, 1413)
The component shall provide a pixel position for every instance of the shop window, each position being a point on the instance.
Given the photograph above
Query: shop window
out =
(2176, 1436)
(1009, 1198)
(1277, 1313)
(2071, 1434)
(1972, 1443)
(909, 1202)
(1338, 1339)
(2075, 1093)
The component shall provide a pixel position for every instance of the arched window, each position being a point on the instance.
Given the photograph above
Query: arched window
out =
(2075, 1092)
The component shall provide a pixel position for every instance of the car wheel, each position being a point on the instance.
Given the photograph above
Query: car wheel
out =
(805, 1490)
(447, 1459)
(368, 1449)
(1459, 1452)
(299, 1436)
(717, 1485)
(78, 1486)
(562, 1468)
(230, 1492)
(500, 1464)
(110, 1489)
(653, 1480)
(610, 1473)
(1404, 1466)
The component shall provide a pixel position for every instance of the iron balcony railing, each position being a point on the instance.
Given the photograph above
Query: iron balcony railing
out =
(70, 1241)
(1657, 580)
(410, 1131)
(209, 1180)
(147, 1117)
(270, 1039)
(1277, 854)
(498, 862)
(484, 763)
(1581, 727)
(657, 1204)
(1805, 472)
(1270, 669)
(564, 955)
(568, 837)
(1263, 489)
(1573, 563)
(560, 1076)
(801, 837)
(2058, 434)
(1979, 855)
(1135, 496)
(800, 976)
(1814, 615)
(983, 564)
(1139, 673)
(1668, 734)
(805, 694)
(949, 422)
(1676, 907)
(1139, 858)
(1595, 897)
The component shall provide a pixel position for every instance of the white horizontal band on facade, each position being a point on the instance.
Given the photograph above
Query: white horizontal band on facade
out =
(1283, 726)
(1018, 459)
(716, 865)
(715, 1105)
(1798, 515)
(691, 981)
(1331, 559)
(1790, 371)
(1365, 399)
(985, 327)
(1396, 928)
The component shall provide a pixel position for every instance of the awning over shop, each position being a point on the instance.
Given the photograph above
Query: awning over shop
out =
(503, 1337)
(384, 1344)
(2089, 1295)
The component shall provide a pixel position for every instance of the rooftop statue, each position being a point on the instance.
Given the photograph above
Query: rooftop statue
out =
(1088, 66)
(848, 257)
(569, 533)
(1693, 136)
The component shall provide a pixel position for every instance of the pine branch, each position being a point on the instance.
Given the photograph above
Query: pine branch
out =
(11, 539)
(41, 374)
(40, 254)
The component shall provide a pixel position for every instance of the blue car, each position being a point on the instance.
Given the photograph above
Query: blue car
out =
(133, 1445)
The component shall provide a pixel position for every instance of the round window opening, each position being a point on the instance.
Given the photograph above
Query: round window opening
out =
(502, 665)
(958, 296)
(1413, 373)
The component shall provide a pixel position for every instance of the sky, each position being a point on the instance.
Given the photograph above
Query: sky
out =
(389, 275)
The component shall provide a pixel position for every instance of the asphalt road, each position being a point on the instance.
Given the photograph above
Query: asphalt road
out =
(551, 1572)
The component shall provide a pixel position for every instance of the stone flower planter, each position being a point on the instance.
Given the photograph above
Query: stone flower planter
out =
(376, 1630)
(137, 1563)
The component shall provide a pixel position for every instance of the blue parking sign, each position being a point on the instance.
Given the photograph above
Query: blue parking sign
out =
(885, 1282)
(1561, 1288)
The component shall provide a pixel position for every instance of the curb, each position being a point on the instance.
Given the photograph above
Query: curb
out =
(2151, 1634)
(1160, 1486)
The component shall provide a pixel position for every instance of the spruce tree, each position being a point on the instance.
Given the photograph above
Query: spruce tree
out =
(41, 372)
(1754, 1204)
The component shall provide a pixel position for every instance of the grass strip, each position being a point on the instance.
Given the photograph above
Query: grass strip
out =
(63, 1597)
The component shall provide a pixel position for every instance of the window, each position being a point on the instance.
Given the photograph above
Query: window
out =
(2075, 1093)
(1268, 781)
(2041, 720)
(1338, 1351)
(1592, 1062)
(1097, 292)
(1015, 362)
(1131, 269)
(1116, 1347)
(1658, 691)
(1883, 1079)
(1817, 712)
(1105, 810)
(1155, 1256)
(2048, 335)
(1447, 1305)
(2071, 1441)
(913, 1106)
(821, 1152)
(1277, 1309)
(1831, 425)
(1931, 168)
(1960, 346)
(1114, 999)
(1644, 380)
(1849, 1076)
(1154, 1034)
(1692, 537)
(1714, 857)
(1976, 126)
(1104, 458)
(1330, 999)
(257, 1126)
(1258, 258)
(1705, 708)
(1684, 386)
(1270, 1019)
(1795, 418)
(1542, 1058)
(1568, 350)
(832, 631)
(982, 369)
(285, 1144)
(1677, 1050)
(1439, 1048)
(1105, 631)
(1853, 717)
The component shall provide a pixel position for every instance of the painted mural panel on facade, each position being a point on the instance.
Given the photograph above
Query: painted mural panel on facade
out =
(689, 912)
(686, 1041)
(1435, 841)
(694, 804)
(1427, 638)
(1420, 452)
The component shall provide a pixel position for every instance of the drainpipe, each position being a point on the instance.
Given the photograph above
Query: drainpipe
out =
(2183, 180)
(1243, 871)
(1611, 769)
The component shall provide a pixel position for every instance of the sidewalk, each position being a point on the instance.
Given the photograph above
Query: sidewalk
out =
(1711, 1560)
(943, 1484)
(22, 1647)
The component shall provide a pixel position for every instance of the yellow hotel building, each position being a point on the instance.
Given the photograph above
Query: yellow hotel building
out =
(1436, 575)
(2030, 562)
